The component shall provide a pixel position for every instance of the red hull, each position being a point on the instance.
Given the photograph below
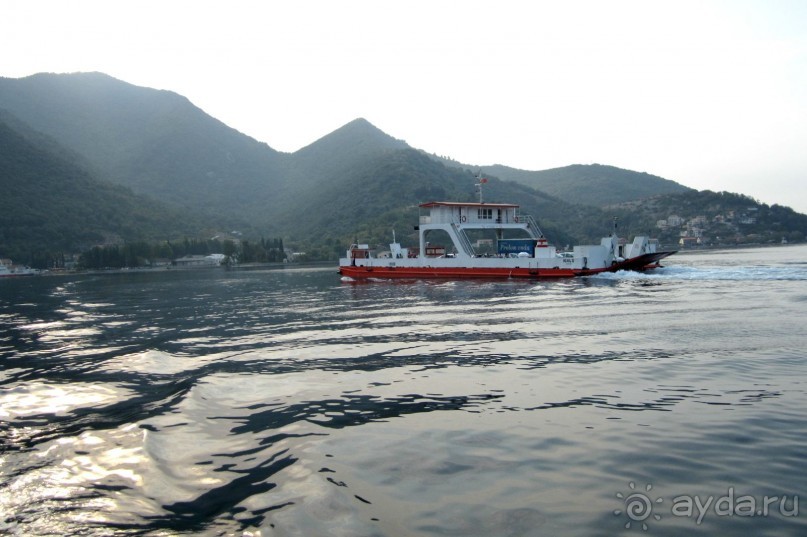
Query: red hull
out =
(644, 262)
(454, 272)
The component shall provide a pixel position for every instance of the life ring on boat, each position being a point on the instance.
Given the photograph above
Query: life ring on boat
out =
(463, 218)
(516, 219)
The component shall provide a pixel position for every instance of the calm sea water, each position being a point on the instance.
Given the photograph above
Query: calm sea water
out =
(290, 402)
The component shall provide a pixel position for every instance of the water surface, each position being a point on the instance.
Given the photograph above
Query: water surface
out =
(290, 402)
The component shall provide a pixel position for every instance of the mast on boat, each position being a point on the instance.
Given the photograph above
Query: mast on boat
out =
(480, 181)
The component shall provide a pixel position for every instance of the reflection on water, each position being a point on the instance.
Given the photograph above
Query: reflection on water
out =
(290, 402)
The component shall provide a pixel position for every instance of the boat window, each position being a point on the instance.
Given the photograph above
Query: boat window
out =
(484, 214)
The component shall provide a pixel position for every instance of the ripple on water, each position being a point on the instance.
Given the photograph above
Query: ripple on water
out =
(289, 402)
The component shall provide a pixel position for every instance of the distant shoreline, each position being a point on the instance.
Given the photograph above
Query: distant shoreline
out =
(173, 268)
(323, 264)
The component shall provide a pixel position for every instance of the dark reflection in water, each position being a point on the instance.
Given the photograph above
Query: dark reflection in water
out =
(288, 402)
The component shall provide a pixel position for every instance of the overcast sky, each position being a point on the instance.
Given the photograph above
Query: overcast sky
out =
(712, 94)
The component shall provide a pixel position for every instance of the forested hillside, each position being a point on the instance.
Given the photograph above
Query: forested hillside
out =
(52, 204)
(78, 145)
(711, 219)
(155, 142)
(592, 184)
(383, 195)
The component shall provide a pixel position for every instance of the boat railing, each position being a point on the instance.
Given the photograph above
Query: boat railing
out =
(532, 225)
(464, 240)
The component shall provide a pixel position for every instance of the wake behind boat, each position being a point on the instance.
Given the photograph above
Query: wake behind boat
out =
(528, 256)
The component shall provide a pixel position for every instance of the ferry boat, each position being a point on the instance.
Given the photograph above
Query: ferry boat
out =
(10, 271)
(528, 255)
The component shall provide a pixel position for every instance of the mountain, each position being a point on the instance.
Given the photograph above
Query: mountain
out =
(344, 147)
(356, 182)
(382, 195)
(593, 184)
(155, 142)
(159, 144)
(327, 163)
(52, 201)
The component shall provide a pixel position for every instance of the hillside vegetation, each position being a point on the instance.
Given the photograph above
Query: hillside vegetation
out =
(88, 159)
(593, 184)
(155, 142)
(50, 203)
(712, 219)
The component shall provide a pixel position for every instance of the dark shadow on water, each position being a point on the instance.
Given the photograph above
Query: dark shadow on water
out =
(353, 410)
(220, 503)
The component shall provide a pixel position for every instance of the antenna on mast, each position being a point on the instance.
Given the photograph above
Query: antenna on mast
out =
(481, 181)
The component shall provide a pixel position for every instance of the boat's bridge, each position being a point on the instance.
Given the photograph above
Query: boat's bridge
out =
(445, 212)
(455, 217)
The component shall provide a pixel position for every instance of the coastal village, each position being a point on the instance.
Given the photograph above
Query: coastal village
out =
(723, 229)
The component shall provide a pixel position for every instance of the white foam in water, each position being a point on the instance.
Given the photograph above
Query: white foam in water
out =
(711, 273)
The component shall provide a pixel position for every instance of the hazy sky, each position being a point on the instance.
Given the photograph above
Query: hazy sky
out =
(712, 94)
